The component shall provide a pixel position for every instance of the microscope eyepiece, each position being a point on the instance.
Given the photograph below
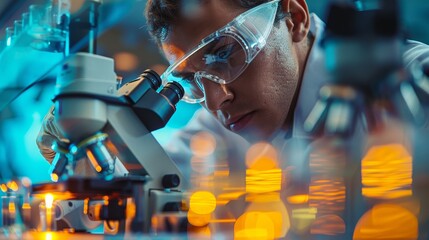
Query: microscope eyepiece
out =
(153, 78)
(173, 91)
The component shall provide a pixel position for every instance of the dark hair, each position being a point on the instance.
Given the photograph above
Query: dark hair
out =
(161, 14)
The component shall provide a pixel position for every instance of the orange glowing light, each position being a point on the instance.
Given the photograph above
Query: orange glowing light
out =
(54, 177)
(106, 200)
(202, 202)
(3, 187)
(48, 236)
(198, 220)
(26, 206)
(298, 199)
(228, 196)
(273, 207)
(262, 181)
(254, 225)
(386, 221)
(387, 172)
(85, 205)
(93, 161)
(12, 207)
(12, 185)
(125, 61)
(202, 144)
(49, 199)
(262, 156)
(130, 209)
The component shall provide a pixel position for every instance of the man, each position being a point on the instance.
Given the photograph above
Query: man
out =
(275, 91)
(272, 97)
(268, 91)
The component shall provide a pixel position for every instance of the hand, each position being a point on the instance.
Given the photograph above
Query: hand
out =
(48, 134)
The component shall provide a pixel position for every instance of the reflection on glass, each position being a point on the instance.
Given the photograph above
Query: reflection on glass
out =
(9, 36)
(330, 225)
(254, 225)
(198, 220)
(266, 217)
(327, 192)
(386, 221)
(202, 202)
(210, 178)
(47, 214)
(387, 172)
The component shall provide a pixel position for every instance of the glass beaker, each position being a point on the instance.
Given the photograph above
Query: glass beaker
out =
(48, 26)
(47, 217)
(10, 36)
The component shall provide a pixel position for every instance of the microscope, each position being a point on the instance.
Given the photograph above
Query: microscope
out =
(109, 130)
(364, 49)
(371, 100)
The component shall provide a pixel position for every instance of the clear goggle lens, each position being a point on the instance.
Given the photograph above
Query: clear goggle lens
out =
(222, 61)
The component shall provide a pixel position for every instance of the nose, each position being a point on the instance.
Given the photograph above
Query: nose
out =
(216, 95)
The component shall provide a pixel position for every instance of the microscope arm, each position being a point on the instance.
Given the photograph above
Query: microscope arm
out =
(137, 148)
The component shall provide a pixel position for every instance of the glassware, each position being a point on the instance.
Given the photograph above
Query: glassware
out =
(48, 26)
(25, 20)
(11, 220)
(10, 37)
(47, 215)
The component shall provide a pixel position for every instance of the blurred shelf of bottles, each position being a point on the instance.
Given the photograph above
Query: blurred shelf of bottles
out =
(35, 43)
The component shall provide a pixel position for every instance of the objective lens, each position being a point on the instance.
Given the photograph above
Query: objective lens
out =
(100, 158)
(60, 162)
(97, 153)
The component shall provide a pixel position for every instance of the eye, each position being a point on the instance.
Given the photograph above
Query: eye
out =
(220, 55)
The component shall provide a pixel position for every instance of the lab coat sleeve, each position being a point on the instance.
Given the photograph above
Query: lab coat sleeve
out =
(416, 52)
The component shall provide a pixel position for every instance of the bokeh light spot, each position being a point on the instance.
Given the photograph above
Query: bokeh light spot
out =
(202, 202)
(254, 225)
(125, 61)
(203, 144)
(387, 172)
(261, 156)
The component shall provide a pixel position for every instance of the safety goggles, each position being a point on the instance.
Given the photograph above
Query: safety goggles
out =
(223, 55)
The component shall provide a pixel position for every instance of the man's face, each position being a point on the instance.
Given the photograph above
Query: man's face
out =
(257, 103)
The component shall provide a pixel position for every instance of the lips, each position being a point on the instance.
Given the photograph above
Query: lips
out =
(237, 123)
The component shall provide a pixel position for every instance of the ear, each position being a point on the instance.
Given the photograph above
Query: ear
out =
(299, 22)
